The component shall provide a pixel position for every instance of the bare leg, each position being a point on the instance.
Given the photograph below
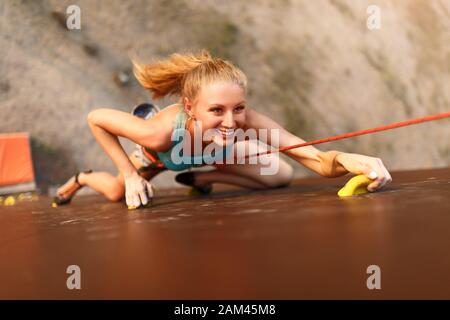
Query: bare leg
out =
(112, 187)
(205, 178)
(103, 182)
(247, 175)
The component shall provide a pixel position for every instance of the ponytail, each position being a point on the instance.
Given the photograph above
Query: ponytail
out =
(184, 74)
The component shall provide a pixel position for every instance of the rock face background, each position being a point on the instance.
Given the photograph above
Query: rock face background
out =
(314, 66)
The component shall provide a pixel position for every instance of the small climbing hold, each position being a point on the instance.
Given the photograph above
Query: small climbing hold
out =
(10, 201)
(27, 196)
(194, 192)
(122, 78)
(356, 185)
(147, 205)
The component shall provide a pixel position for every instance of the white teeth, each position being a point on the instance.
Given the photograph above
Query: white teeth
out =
(227, 133)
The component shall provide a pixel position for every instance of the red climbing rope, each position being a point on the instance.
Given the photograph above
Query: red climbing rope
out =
(359, 133)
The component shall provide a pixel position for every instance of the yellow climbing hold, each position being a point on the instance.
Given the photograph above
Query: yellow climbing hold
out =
(147, 205)
(27, 196)
(356, 185)
(54, 205)
(10, 201)
(194, 192)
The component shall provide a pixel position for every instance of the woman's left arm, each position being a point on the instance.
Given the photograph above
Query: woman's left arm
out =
(327, 164)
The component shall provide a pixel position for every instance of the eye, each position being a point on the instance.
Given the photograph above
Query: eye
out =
(216, 110)
(239, 109)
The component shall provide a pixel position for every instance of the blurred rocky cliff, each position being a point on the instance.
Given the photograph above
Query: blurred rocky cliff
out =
(314, 66)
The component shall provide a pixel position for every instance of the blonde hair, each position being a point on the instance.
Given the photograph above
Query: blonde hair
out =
(185, 74)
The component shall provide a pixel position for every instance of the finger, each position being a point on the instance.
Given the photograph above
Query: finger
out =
(150, 190)
(377, 184)
(388, 175)
(372, 173)
(382, 170)
(143, 196)
(136, 201)
(380, 180)
(373, 186)
(369, 172)
(388, 178)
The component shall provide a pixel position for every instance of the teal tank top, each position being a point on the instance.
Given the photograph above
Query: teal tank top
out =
(188, 161)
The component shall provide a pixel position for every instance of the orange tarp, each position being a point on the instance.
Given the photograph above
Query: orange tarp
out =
(16, 164)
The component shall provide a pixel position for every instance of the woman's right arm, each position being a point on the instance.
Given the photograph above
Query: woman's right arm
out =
(107, 124)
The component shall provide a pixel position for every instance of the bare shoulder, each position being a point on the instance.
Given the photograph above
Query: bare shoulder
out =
(167, 114)
(171, 110)
(163, 123)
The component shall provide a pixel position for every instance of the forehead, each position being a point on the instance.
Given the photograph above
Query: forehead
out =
(221, 92)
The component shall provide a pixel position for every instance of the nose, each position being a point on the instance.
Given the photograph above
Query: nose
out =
(228, 121)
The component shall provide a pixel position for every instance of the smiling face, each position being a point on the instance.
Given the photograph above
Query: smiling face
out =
(219, 106)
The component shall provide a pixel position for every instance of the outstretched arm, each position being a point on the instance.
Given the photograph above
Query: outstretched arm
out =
(328, 164)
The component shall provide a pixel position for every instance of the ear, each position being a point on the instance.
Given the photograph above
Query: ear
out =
(187, 106)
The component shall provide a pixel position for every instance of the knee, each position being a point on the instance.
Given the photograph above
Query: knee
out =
(283, 178)
(116, 194)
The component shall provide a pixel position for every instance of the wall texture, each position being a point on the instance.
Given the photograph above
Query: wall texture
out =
(313, 66)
